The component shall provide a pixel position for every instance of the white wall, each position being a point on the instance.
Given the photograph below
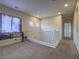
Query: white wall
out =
(51, 30)
(29, 31)
(76, 26)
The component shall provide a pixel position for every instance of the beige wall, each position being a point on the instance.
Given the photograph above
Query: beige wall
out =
(51, 30)
(32, 32)
(29, 31)
(76, 26)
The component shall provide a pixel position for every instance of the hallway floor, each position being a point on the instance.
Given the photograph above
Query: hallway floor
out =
(29, 50)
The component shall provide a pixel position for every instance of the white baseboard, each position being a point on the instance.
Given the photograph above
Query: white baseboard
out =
(53, 45)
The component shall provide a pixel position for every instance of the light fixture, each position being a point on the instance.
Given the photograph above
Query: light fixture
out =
(59, 13)
(66, 5)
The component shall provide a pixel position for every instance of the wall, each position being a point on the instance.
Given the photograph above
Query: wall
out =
(76, 26)
(47, 31)
(51, 30)
(29, 31)
(31, 28)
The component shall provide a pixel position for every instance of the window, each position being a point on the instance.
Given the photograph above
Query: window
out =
(6, 23)
(15, 25)
(9, 24)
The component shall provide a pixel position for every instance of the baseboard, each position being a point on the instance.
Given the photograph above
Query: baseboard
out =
(44, 43)
(77, 48)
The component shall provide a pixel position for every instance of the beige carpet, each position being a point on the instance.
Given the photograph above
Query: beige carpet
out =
(29, 50)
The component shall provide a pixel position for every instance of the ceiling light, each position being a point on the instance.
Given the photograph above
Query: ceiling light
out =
(59, 13)
(66, 5)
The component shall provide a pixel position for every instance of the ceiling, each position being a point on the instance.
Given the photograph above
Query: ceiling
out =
(41, 8)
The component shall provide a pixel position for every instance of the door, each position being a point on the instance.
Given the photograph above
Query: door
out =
(67, 30)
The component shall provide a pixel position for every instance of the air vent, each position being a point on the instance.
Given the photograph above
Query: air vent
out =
(53, 0)
(16, 7)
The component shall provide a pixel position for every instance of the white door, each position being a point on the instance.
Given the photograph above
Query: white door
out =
(67, 30)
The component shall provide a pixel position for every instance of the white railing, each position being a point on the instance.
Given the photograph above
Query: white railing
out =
(50, 36)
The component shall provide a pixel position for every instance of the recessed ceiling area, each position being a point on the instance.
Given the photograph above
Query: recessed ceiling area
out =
(41, 8)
